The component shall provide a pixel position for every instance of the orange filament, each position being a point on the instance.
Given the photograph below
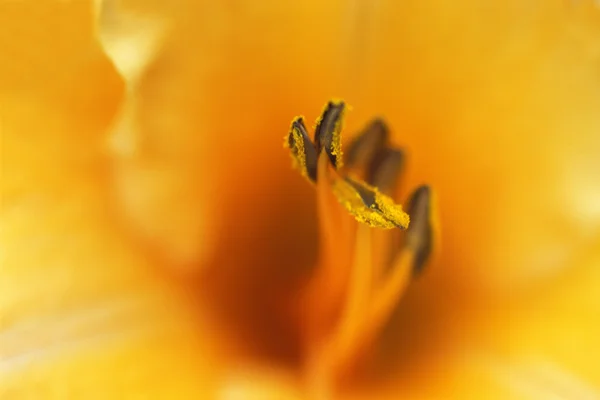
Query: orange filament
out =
(366, 302)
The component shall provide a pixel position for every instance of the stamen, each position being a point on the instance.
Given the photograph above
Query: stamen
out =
(336, 232)
(304, 154)
(328, 132)
(371, 156)
(419, 237)
(385, 169)
(384, 172)
(385, 300)
(366, 203)
(411, 259)
(371, 153)
(369, 142)
(362, 272)
(369, 205)
(358, 297)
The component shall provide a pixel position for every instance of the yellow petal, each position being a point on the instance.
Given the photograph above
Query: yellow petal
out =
(83, 311)
(499, 111)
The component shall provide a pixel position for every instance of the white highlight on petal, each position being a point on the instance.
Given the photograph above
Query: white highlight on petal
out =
(36, 338)
(259, 383)
(124, 140)
(540, 379)
(585, 199)
(130, 38)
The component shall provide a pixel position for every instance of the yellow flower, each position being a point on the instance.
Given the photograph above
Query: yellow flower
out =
(155, 242)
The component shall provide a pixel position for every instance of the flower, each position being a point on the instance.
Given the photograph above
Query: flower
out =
(157, 263)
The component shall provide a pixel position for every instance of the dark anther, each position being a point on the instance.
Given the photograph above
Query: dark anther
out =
(369, 142)
(366, 194)
(303, 150)
(328, 132)
(419, 235)
(384, 169)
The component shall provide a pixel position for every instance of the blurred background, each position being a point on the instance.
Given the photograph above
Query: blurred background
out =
(153, 233)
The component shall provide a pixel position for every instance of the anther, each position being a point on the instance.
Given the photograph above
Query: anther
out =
(419, 236)
(365, 202)
(367, 144)
(369, 205)
(302, 149)
(385, 168)
(329, 130)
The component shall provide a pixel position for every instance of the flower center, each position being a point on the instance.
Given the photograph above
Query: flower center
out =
(371, 248)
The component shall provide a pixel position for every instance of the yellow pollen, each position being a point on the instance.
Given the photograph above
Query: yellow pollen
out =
(382, 213)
